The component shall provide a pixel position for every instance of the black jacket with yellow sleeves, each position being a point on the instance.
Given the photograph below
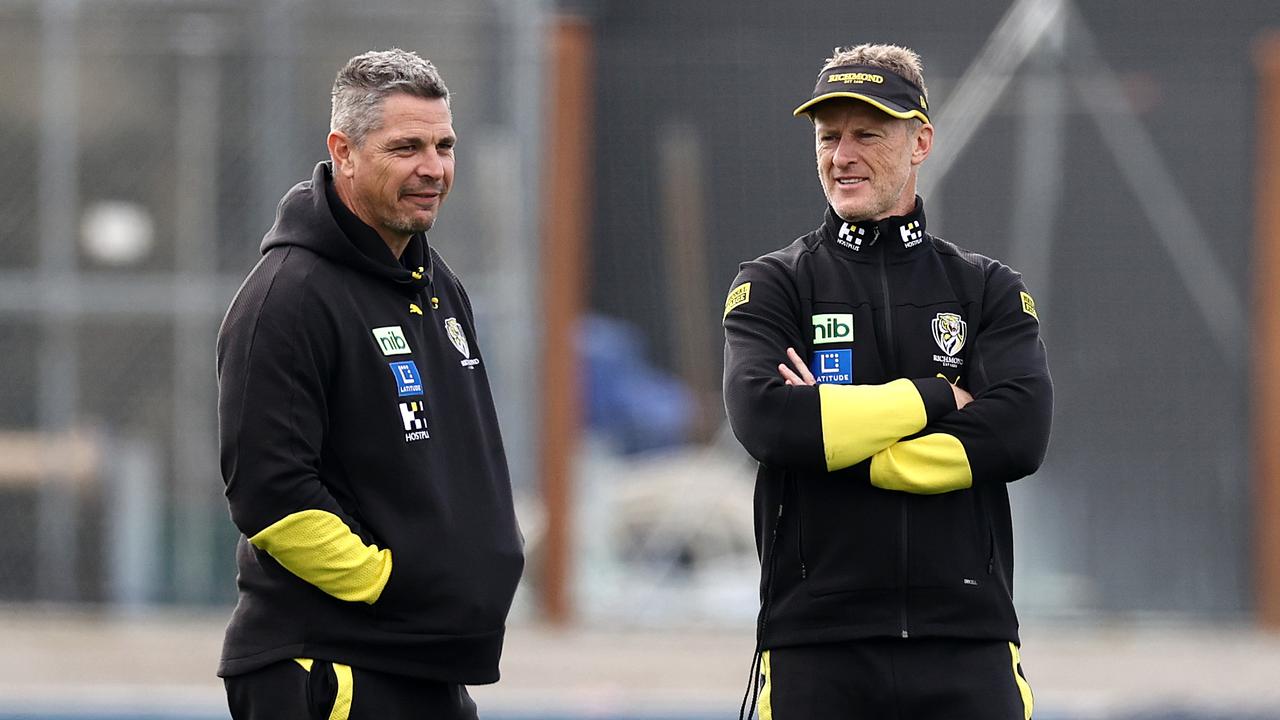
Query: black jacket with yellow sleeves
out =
(881, 509)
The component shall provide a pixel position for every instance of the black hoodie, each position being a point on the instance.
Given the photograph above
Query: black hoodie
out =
(361, 455)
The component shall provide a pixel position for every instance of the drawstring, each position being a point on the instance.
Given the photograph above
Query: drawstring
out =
(746, 712)
(753, 689)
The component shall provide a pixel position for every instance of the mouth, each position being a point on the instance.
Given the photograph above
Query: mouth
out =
(850, 181)
(422, 197)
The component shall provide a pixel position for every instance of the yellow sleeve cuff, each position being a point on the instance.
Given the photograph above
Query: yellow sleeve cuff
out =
(860, 420)
(318, 547)
(926, 465)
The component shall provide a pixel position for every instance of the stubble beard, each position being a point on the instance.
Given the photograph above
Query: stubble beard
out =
(410, 227)
(879, 205)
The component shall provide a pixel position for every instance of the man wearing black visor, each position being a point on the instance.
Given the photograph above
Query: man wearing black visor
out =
(891, 385)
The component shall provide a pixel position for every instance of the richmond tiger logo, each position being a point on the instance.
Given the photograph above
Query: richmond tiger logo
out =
(949, 331)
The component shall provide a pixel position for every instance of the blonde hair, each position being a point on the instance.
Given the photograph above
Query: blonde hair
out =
(894, 58)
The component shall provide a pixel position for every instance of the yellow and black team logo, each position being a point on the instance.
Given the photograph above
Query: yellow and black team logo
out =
(737, 296)
(1029, 305)
(949, 332)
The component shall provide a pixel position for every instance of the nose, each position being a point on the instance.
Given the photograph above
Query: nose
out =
(846, 152)
(430, 165)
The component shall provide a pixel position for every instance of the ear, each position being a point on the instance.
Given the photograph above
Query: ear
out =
(923, 144)
(340, 151)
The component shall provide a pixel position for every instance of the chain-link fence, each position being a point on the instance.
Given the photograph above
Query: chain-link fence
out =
(147, 143)
(146, 147)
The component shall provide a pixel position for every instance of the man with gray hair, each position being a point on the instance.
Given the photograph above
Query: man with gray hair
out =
(891, 385)
(359, 442)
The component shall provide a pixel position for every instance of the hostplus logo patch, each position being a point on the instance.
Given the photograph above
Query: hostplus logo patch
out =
(851, 236)
(911, 233)
(414, 416)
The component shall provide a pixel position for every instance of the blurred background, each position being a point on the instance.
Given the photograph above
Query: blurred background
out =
(617, 160)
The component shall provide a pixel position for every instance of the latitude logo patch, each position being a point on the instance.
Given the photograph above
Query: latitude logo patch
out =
(832, 327)
(391, 340)
(408, 380)
(414, 417)
(832, 366)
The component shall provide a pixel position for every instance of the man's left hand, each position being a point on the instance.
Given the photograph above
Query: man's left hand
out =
(801, 375)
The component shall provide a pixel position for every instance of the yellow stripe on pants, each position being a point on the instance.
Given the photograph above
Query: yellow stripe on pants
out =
(764, 705)
(346, 688)
(346, 692)
(1028, 700)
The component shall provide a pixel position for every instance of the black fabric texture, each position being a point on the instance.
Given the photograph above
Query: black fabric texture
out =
(312, 416)
(930, 679)
(284, 690)
(852, 561)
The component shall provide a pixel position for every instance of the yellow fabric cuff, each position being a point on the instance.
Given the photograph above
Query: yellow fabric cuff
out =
(926, 465)
(860, 420)
(318, 547)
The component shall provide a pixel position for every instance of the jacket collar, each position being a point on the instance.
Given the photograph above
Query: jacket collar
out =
(896, 235)
(413, 268)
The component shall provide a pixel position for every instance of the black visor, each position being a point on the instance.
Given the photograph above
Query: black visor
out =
(887, 91)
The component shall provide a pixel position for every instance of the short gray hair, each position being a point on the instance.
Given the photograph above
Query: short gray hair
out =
(368, 79)
(894, 58)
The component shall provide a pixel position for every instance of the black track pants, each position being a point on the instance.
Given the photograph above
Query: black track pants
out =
(891, 679)
(319, 690)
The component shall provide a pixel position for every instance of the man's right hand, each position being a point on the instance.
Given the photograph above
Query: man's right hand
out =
(962, 396)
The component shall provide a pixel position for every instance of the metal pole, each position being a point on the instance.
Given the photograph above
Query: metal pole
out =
(134, 503)
(517, 285)
(1040, 159)
(57, 547)
(276, 117)
(1037, 195)
(195, 240)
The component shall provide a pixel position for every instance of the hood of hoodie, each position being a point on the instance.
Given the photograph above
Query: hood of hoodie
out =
(311, 216)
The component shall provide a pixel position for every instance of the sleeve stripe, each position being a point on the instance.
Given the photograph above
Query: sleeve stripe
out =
(927, 465)
(318, 547)
(860, 420)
